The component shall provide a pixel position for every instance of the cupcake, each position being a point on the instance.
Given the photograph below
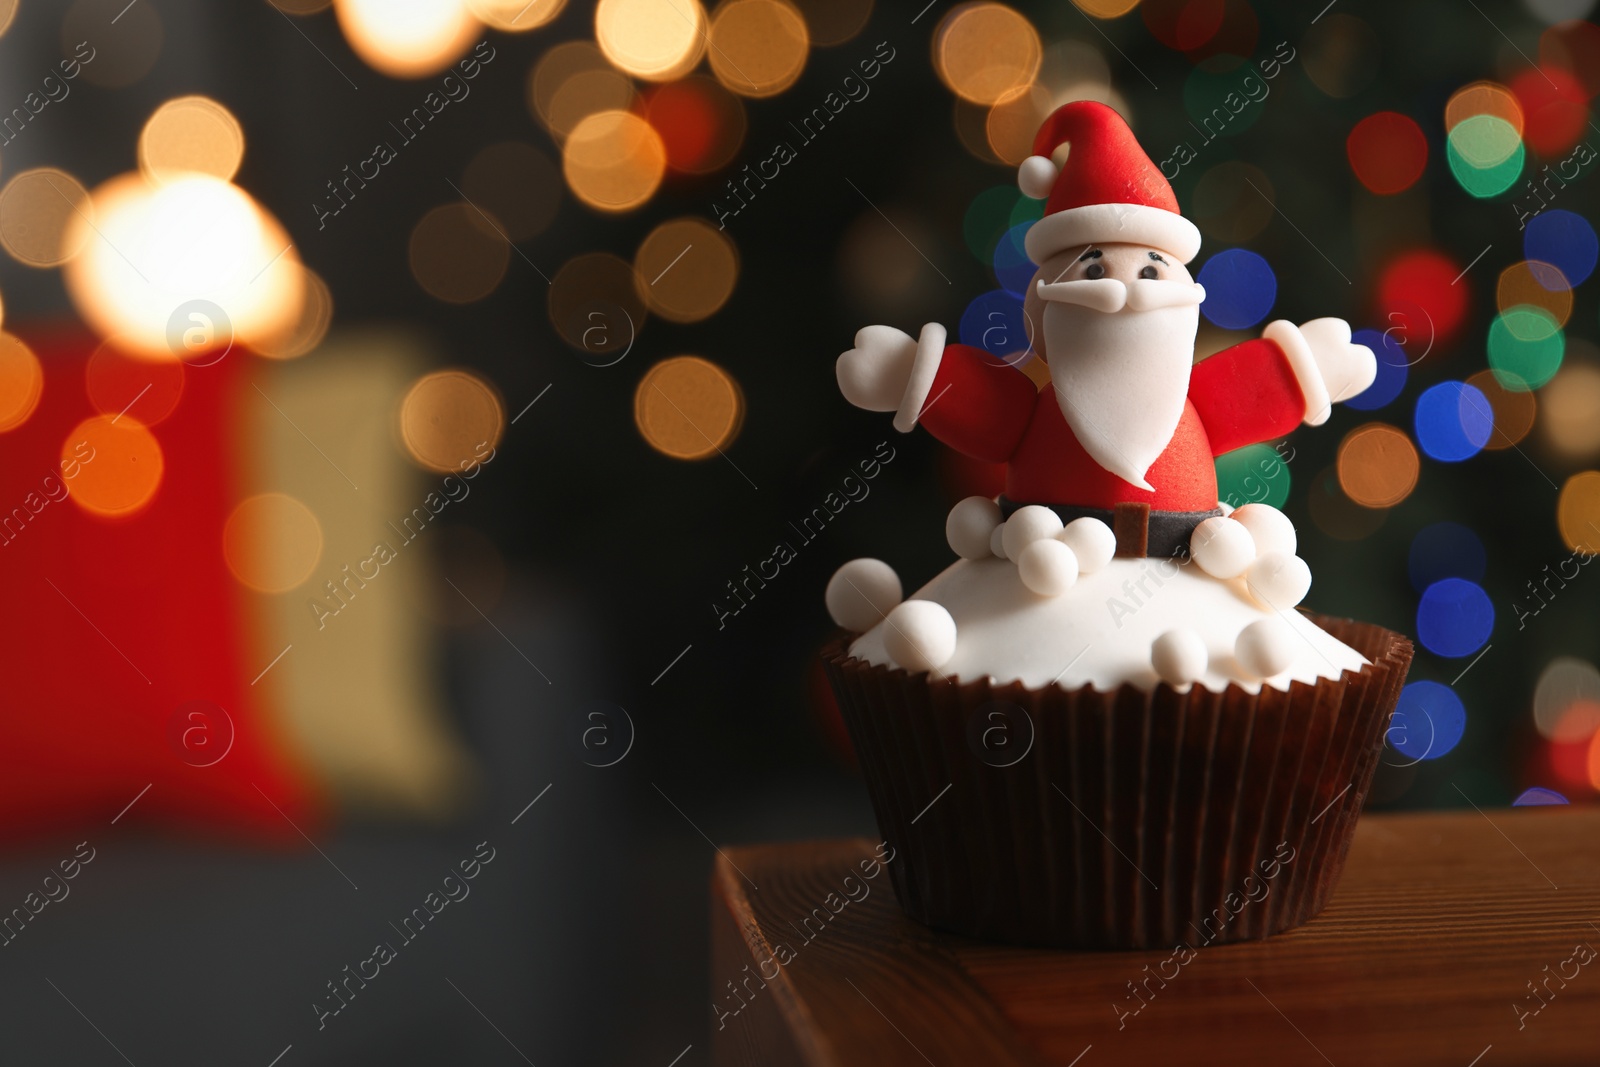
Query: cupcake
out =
(1109, 724)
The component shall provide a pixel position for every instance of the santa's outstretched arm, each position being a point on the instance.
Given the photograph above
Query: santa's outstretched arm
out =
(1260, 390)
(962, 397)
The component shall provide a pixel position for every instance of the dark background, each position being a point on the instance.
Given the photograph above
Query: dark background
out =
(590, 944)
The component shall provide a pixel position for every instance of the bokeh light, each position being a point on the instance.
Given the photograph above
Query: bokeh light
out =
(595, 306)
(1428, 721)
(984, 51)
(1535, 284)
(1341, 55)
(1525, 347)
(1105, 9)
(1556, 109)
(122, 469)
(879, 267)
(1378, 465)
(1513, 410)
(1254, 474)
(1571, 423)
(1392, 370)
(1336, 514)
(1537, 796)
(688, 408)
(1566, 699)
(994, 322)
(1182, 25)
(757, 48)
(191, 134)
(657, 40)
(586, 93)
(456, 255)
(120, 58)
(1578, 512)
(407, 38)
(1012, 267)
(1014, 120)
(271, 542)
(1387, 152)
(555, 68)
(306, 332)
(1227, 208)
(1574, 46)
(1485, 155)
(685, 269)
(196, 251)
(833, 22)
(450, 418)
(1445, 550)
(1483, 98)
(38, 212)
(147, 390)
(613, 161)
(1240, 288)
(21, 382)
(1423, 298)
(515, 16)
(1453, 421)
(1454, 617)
(517, 184)
(701, 124)
(1564, 239)
(8, 11)
(988, 218)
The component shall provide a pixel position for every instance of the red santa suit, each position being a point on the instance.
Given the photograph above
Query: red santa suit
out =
(982, 408)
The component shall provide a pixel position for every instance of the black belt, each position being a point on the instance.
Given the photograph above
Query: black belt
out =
(1140, 529)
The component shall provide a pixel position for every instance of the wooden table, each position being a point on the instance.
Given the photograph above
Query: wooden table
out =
(1425, 956)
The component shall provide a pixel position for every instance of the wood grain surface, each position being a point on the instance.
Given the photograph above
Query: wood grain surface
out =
(1462, 939)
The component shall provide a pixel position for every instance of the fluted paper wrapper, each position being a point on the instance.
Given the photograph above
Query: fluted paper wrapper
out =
(1135, 819)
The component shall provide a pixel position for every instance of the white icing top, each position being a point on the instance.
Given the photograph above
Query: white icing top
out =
(1100, 630)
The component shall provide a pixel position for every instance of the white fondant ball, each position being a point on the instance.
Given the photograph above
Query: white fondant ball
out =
(1222, 547)
(1264, 648)
(1269, 528)
(1037, 176)
(1278, 580)
(920, 636)
(1091, 541)
(1179, 657)
(969, 526)
(997, 545)
(1048, 567)
(861, 593)
(1027, 525)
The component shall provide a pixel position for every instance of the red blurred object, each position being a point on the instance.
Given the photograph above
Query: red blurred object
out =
(1183, 25)
(1556, 109)
(1575, 48)
(1565, 764)
(701, 124)
(963, 476)
(1235, 36)
(1387, 152)
(117, 626)
(1422, 297)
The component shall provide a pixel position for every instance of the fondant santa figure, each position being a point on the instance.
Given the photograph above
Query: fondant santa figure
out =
(1131, 426)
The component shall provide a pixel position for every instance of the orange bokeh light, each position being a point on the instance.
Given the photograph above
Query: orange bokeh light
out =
(118, 464)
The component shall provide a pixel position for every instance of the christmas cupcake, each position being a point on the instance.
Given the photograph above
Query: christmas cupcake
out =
(1108, 724)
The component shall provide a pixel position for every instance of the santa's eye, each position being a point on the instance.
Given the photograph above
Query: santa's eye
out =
(1148, 272)
(1094, 270)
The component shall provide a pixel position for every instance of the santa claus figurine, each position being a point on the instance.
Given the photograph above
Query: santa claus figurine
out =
(1130, 428)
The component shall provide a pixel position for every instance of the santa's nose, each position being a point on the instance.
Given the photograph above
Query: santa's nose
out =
(1097, 294)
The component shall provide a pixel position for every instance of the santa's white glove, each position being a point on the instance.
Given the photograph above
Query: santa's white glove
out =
(873, 375)
(1329, 368)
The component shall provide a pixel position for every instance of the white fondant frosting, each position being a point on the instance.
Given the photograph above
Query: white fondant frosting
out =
(1101, 630)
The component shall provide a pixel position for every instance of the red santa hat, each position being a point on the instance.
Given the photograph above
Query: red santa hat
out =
(1108, 192)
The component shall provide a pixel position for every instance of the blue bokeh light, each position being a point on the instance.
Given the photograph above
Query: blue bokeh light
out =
(1428, 721)
(1445, 550)
(995, 323)
(1454, 421)
(1392, 370)
(1454, 617)
(1537, 796)
(1012, 267)
(1240, 289)
(1564, 240)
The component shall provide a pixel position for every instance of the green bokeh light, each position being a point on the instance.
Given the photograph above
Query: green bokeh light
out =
(1255, 474)
(1206, 97)
(1525, 347)
(988, 218)
(1485, 155)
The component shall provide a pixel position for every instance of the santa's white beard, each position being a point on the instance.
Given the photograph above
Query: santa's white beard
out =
(1121, 379)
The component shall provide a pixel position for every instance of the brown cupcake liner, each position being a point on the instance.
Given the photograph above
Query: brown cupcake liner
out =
(1119, 819)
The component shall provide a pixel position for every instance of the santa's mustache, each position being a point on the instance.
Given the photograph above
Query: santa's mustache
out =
(1109, 295)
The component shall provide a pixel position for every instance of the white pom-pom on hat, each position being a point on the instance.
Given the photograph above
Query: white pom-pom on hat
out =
(920, 636)
(1036, 177)
(861, 593)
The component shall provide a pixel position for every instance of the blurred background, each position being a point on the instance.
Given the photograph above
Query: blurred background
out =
(401, 402)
